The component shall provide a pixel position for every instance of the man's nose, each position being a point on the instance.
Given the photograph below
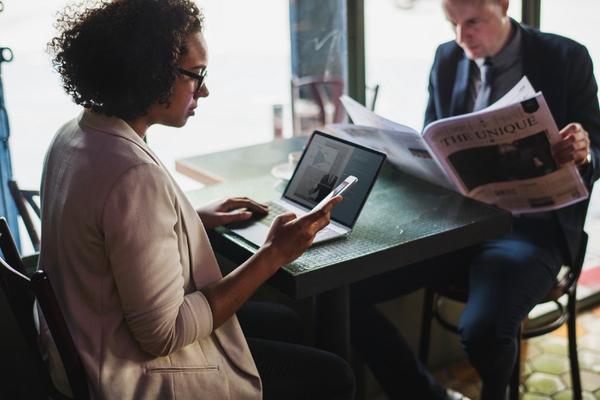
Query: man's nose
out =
(460, 33)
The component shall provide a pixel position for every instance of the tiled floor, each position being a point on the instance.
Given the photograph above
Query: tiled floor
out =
(589, 282)
(546, 373)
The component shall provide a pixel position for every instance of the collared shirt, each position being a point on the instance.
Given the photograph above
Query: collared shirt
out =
(508, 69)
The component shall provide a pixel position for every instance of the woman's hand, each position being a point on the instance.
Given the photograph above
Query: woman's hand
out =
(234, 209)
(290, 236)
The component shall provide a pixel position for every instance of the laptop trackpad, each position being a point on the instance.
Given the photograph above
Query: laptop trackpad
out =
(255, 233)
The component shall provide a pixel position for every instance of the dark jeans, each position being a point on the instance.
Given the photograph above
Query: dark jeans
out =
(289, 370)
(505, 278)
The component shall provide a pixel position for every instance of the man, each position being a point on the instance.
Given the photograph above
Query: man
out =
(508, 276)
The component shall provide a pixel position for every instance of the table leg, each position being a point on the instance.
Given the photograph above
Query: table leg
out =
(332, 321)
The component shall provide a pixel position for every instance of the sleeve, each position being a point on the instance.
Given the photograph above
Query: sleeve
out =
(139, 219)
(583, 107)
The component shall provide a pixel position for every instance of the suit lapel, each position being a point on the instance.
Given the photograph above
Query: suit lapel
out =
(461, 87)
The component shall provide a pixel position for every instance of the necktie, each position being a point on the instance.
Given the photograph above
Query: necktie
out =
(483, 96)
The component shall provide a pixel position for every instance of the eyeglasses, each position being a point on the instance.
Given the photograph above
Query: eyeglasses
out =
(199, 78)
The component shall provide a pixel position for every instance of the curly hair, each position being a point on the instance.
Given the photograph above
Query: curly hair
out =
(118, 58)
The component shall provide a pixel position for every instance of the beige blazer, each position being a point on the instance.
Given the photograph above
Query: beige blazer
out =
(126, 254)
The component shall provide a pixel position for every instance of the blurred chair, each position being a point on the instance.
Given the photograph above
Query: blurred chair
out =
(375, 92)
(21, 291)
(316, 102)
(565, 285)
(26, 202)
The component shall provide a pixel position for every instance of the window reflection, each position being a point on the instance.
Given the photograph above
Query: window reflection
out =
(318, 41)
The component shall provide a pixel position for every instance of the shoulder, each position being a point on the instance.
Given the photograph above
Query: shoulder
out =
(83, 157)
(551, 44)
(100, 150)
(448, 53)
(139, 189)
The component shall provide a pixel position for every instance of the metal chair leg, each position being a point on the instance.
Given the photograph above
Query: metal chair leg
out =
(426, 317)
(515, 379)
(572, 333)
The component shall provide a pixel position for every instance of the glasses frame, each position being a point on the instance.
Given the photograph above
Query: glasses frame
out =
(199, 78)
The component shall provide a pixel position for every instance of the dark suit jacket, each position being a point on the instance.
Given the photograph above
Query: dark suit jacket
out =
(558, 67)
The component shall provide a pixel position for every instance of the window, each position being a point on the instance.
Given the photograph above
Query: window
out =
(400, 41)
(36, 104)
(249, 54)
(319, 54)
(584, 29)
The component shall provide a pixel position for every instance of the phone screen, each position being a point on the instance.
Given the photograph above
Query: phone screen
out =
(339, 189)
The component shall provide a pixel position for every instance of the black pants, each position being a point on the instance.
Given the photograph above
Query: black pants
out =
(289, 370)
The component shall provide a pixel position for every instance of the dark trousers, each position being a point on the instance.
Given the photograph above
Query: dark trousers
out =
(289, 370)
(505, 278)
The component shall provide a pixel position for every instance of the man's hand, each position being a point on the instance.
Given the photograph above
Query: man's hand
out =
(289, 236)
(574, 145)
(224, 212)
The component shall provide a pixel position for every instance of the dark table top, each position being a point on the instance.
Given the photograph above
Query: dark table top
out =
(404, 221)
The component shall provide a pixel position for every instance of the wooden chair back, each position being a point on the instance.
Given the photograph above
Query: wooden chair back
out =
(21, 291)
(25, 200)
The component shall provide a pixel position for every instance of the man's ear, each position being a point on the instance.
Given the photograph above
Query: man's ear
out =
(504, 6)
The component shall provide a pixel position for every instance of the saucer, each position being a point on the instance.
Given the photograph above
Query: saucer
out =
(283, 171)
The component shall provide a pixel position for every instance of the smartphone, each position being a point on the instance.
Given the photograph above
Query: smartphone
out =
(339, 189)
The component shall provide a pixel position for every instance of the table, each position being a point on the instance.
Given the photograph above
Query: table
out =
(404, 221)
(241, 163)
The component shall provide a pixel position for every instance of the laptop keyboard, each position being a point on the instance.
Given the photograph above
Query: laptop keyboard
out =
(276, 209)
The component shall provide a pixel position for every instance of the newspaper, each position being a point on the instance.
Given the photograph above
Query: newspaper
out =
(500, 155)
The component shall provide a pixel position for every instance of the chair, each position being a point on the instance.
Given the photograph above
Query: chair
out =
(26, 200)
(566, 285)
(316, 101)
(21, 291)
(375, 92)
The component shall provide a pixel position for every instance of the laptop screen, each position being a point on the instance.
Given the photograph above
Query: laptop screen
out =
(327, 161)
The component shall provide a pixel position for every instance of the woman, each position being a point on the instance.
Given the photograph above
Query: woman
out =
(129, 259)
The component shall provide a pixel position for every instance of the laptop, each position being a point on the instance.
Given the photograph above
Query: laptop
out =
(325, 162)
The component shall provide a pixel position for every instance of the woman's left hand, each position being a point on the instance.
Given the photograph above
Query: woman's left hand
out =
(234, 209)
